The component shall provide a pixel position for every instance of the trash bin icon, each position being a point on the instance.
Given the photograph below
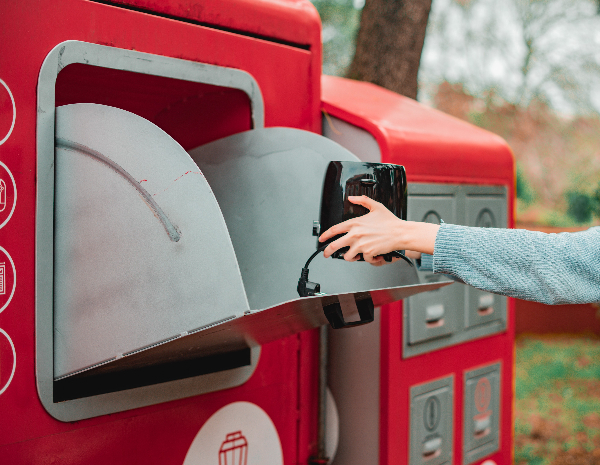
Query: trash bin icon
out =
(234, 450)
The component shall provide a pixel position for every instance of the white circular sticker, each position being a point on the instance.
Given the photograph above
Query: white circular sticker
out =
(8, 361)
(8, 112)
(240, 433)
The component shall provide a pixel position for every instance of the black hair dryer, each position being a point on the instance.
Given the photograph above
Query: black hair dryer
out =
(383, 182)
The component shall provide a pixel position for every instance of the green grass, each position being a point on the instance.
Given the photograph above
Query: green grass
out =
(557, 402)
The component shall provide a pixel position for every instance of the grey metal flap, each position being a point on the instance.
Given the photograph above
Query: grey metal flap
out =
(141, 250)
(248, 330)
(145, 271)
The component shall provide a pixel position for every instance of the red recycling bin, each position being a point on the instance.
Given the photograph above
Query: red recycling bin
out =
(275, 43)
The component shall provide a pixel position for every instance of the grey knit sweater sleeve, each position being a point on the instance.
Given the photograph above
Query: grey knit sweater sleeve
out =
(550, 268)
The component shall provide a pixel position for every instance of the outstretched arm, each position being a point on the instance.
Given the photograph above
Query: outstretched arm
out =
(548, 268)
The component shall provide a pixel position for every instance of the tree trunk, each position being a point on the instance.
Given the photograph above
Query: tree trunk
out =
(389, 44)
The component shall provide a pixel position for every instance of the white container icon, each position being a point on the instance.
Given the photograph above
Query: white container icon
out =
(2, 195)
(234, 450)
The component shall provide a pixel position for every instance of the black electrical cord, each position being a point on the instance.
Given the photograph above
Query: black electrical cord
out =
(398, 254)
(307, 288)
(319, 250)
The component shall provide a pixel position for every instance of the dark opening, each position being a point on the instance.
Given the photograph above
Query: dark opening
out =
(85, 385)
(191, 113)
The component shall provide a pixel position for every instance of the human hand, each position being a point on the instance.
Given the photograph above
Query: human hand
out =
(379, 232)
(372, 234)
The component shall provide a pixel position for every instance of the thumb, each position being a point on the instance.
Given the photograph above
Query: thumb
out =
(363, 200)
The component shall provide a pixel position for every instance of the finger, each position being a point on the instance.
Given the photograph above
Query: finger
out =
(377, 261)
(337, 229)
(351, 258)
(369, 258)
(335, 245)
(352, 252)
(363, 200)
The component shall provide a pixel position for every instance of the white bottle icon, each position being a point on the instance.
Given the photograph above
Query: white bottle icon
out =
(2, 195)
(2, 278)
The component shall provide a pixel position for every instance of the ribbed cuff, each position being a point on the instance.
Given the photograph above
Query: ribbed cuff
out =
(425, 263)
(449, 246)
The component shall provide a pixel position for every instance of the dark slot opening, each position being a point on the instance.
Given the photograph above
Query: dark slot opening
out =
(192, 113)
(83, 385)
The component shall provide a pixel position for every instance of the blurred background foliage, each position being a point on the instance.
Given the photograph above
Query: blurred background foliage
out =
(557, 401)
(340, 19)
(527, 70)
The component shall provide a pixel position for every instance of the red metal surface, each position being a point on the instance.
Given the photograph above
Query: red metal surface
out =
(308, 395)
(398, 375)
(293, 21)
(536, 318)
(160, 434)
(289, 80)
(434, 148)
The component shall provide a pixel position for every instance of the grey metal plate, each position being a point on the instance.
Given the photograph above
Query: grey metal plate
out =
(360, 142)
(486, 212)
(248, 330)
(431, 422)
(481, 413)
(433, 209)
(460, 302)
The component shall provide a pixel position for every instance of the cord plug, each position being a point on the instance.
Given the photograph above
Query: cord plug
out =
(307, 288)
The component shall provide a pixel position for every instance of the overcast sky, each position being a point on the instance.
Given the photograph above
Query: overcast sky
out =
(482, 44)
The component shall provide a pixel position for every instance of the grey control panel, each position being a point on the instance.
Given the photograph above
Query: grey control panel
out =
(455, 313)
(481, 417)
(431, 431)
